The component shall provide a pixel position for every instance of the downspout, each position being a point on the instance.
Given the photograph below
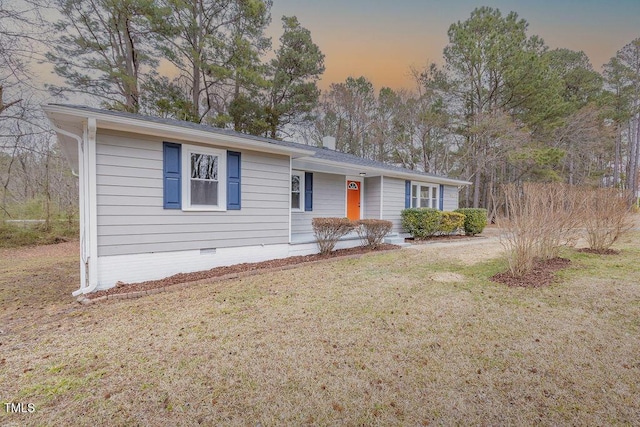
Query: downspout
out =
(83, 243)
(91, 206)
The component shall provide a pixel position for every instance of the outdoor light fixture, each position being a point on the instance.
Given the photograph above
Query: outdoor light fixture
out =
(363, 173)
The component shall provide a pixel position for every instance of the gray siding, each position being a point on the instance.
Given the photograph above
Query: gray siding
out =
(393, 201)
(329, 200)
(450, 202)
(372, 197)
(132, 220)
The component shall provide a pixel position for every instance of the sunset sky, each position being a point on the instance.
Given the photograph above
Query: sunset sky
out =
(381, 39)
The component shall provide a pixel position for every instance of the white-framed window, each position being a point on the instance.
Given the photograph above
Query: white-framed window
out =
(204, 172)
(297, 191)
(424, 195)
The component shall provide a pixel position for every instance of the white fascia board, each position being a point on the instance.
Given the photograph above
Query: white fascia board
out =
(162, 130)
(353, 169)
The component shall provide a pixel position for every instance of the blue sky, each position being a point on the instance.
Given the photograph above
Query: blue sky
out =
(381, 39)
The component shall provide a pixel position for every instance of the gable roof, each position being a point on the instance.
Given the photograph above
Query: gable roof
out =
(71, 118)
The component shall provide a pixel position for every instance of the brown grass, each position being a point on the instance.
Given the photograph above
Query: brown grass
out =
(371, 341)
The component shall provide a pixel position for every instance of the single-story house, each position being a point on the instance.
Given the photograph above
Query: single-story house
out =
(160, 196)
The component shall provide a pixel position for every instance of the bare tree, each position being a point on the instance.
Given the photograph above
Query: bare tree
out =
(19, 121)
(19, 36)
(622, 75)
(588, 143)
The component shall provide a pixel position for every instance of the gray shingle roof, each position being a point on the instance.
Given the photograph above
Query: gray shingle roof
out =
(320, 153)
(337, 156)
(182, 124)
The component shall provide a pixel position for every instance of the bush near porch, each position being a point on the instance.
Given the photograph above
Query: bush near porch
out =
(451, 222)
(421, 222)
(427, 222)
(329, 230)
(373, 231)
(475, 220)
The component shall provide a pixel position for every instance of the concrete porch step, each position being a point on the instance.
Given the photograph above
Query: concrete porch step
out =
(395, 239)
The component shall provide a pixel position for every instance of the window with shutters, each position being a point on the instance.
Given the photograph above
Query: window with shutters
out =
(424, 196)
(204, 173)
(297, 191)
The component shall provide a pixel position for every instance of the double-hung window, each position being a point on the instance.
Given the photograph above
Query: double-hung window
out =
(297, 191)
(204, 183)
(424, 195)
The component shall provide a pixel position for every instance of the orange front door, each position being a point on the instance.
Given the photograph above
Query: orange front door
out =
(353, 200)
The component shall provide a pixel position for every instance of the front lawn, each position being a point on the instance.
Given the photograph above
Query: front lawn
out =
(398, 338)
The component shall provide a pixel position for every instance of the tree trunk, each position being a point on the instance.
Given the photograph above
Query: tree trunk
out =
(236, 95)
(131, 67)
(636, 160)
(47, 193)
(571, 168)
(616, 164)
(476, 187)
(196, 61)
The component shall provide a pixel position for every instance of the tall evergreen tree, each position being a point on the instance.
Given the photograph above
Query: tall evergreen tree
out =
(295, 71)
(101, 51)
(215, 46)
(496, 69)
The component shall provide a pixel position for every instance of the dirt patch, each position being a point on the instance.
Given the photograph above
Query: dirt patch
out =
(599, 251)
(122, 288)
(541, 275)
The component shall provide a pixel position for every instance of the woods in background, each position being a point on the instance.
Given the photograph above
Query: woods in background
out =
(503, 107)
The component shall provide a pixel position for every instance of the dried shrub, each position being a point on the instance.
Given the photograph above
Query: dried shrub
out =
(421, 222)
(519, 232)
(372, 231)
(329, 230)
(561, 217)
(452, 222)
(541, 218)
(475, 220)
(607, 217)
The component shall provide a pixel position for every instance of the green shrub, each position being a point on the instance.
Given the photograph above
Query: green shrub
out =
(451, 222)
(421, 222)
(329, 230)
(372, 231)
(475, 220)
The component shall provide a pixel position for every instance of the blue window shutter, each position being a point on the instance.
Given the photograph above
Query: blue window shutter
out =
(308, 191)
(172, 179)
(441, 197)
(233, 181)
(407, 194)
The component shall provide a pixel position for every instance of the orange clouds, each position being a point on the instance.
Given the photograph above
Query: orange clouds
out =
(383, 59)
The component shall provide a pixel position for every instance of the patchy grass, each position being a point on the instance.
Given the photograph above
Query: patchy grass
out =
(407, 337)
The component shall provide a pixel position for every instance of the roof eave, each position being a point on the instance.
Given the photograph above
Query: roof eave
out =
(169, 131)
(390, 173)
